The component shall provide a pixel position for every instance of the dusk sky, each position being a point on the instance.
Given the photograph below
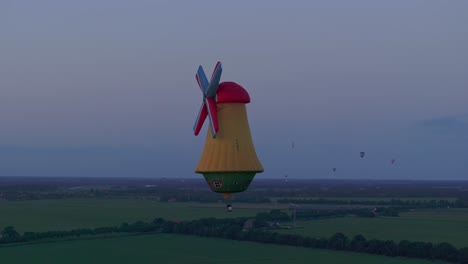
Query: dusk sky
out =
(107, 88)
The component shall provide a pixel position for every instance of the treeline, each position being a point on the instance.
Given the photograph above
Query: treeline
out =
(138, 193)
(359, 212)
(280, 216)
(195, 189)
(238, 229)
(210, 197)
(261, 192)
(458, 203)
(9, 234)
(235, 229)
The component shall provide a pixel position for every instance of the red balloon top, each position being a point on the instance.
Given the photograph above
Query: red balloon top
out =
(231, 92)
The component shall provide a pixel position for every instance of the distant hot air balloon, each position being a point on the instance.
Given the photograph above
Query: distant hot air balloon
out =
(362, 154)
(228, 162)
(334, 169)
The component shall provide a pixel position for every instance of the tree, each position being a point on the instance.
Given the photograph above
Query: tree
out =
(359, 244)
(463, 255)
(445, 251)
(390, 248)
(404, 248)
(373, 246)
(232, 232)
(322, 242)
(417, 249)
(158, 221)
(337, 241)
(168, 227)
(10, 235)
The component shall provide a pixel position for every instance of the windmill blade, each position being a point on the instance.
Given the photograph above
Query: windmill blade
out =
(212, 115)
(202, 80)
(215, 78)
(200, 119)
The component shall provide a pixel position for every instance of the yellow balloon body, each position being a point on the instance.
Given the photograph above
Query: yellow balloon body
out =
(229, 161)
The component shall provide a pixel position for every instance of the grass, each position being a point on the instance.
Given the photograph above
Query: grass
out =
(446, 225)
(169, 248)
(46, 215)
(374, 199)
(441, 225)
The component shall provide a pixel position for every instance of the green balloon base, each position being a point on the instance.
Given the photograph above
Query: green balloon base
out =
(228, 182)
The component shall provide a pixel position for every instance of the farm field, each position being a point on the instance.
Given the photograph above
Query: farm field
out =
(452, 214)
(438, 225)
(446, 225)
(66, 214)
(170, 248)
(375, 199)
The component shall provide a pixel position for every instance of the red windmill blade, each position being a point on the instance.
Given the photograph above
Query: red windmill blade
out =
(208, 107)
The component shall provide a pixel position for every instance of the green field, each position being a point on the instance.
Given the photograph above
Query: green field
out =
(375, 199)
(442, 225)
(446, 225)
(46, 215)
(453, 214)
(175, 249)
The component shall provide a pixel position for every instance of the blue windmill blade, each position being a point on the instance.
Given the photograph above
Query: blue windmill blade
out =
(214, 83)
(212, 116)
(202, 80)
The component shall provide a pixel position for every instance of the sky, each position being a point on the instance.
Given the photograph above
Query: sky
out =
(106, 88)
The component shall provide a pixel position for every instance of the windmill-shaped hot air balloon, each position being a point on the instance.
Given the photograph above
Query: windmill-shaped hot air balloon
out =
(228, 162)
